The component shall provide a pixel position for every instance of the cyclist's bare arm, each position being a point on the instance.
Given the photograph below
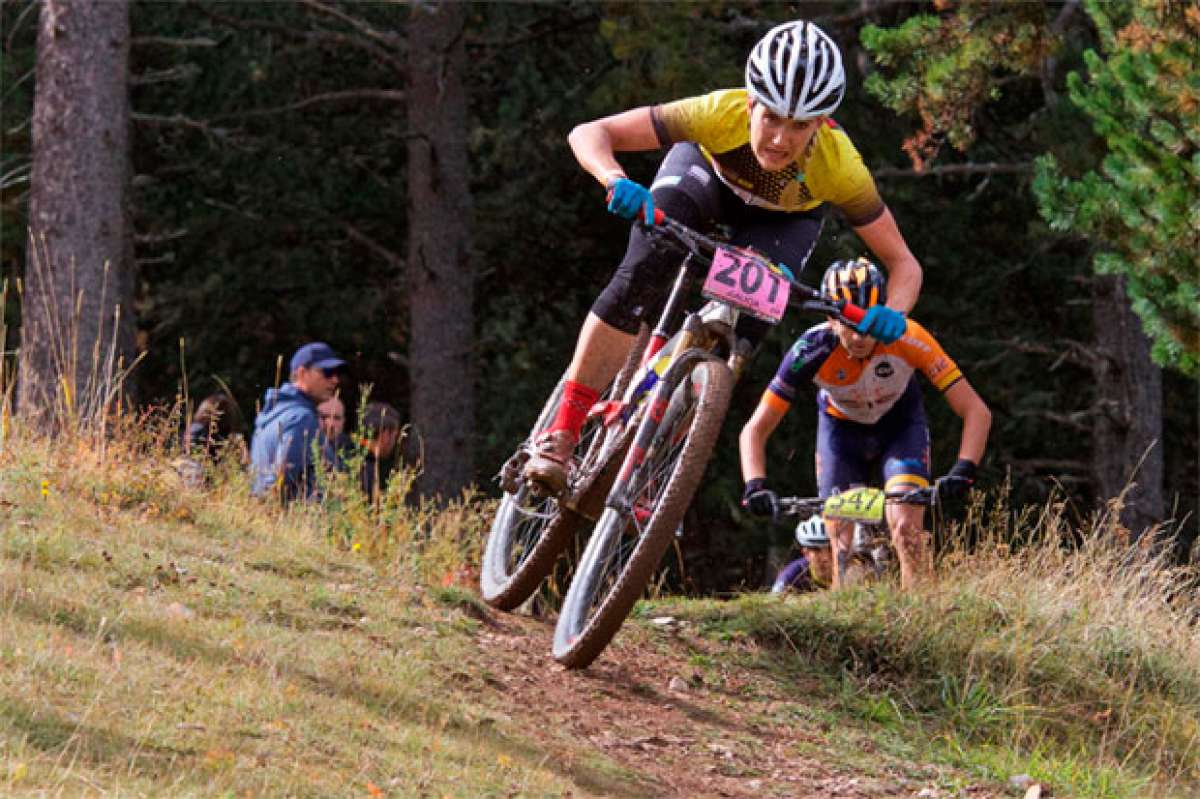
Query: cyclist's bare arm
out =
(977, 419)
(752, 443)
(595, 143)
(904, 272)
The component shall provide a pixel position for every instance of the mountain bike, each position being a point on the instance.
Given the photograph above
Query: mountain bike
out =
(871, 552)
(645, 447)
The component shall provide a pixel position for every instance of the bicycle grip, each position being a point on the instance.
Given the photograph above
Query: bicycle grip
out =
(853, 313)
(659, 216)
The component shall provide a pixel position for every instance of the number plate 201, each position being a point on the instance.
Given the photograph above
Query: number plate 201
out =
(748, 284)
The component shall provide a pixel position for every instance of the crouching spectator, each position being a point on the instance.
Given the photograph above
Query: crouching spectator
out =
(331, 414)
(216, 426)
(281, 451)
(381, 433)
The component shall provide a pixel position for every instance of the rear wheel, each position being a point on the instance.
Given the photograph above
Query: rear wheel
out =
(626, 547)
(529, 532)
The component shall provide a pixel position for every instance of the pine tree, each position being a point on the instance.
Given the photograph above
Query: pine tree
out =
(1143, 205)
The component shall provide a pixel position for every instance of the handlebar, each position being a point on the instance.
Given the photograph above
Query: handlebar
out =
(705, 247)
(806, 506)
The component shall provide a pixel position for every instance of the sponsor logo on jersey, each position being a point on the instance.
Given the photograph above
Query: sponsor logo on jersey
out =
(884, 369)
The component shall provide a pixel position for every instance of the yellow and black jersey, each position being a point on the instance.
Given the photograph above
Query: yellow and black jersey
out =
(830, 169)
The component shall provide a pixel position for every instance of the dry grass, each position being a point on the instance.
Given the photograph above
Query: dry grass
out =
(156, 640)
(159, 640)
(1073, 654)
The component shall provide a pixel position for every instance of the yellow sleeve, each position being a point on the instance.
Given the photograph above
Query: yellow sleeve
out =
(924, 352)
(837, 174)
(717, 121)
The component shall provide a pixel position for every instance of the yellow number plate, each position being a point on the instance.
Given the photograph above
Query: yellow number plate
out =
(856, 505)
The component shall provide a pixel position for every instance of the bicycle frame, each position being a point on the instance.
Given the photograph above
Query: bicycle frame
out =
(700, 333)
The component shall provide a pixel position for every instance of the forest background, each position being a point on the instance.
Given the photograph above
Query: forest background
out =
(394, 179)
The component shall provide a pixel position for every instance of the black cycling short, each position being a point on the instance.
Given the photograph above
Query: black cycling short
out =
(687, 189)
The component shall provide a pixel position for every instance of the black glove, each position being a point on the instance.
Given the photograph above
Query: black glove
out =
(760, 500)
(958, 481)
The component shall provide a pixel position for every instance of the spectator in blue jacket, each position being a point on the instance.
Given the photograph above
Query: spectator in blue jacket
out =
(286, 427)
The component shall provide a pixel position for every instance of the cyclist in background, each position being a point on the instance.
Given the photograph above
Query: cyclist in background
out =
(814, 568)
(870, 415)
(762, 161)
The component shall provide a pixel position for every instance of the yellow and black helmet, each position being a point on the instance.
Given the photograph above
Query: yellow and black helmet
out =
(858, 281)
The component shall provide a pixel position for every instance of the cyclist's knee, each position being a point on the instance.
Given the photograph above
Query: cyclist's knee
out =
(908, 535)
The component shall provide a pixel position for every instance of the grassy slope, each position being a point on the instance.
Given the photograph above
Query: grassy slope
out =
(158, 641)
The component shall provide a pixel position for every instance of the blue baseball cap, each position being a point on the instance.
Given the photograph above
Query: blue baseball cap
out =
(316, 355)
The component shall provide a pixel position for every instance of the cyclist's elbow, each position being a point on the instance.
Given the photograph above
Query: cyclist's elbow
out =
(585, 134)
(981, 414)
(751, 439)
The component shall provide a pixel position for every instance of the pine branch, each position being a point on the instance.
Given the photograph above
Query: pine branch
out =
(178, 120)
(865, 11)
(531, 33)
(171, 41)
(1073, 420)
(1078, 467)
(390, 40)
(992, 168)
(386, 95)
(395, 261)
(1064, 351)
(176, 74)
(316, 37)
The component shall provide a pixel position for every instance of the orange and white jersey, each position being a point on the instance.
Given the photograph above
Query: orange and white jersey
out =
(860, 389)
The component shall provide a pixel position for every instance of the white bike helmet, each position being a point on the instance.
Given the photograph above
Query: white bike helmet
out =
(796, 71)
(811, 533)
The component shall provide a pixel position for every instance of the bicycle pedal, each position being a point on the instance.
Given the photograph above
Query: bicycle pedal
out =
(541, 491)
(512, 472)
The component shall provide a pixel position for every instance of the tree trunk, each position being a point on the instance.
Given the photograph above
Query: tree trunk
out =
(440, 281)
(1128, 430)
(76, 327)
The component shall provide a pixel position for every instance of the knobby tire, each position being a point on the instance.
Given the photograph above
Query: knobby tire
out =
(552, 527)
(581, 635)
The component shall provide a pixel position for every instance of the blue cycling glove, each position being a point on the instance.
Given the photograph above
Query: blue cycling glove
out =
(626, 198)
(882, 324)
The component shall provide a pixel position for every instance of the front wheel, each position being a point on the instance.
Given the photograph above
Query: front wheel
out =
(626, 546)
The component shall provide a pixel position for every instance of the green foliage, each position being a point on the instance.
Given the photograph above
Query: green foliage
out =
(260, 226)
(19, 22)
(943, 68)
(256, 202)
(1143, 205)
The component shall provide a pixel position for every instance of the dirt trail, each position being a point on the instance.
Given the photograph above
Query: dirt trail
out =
(690, 731)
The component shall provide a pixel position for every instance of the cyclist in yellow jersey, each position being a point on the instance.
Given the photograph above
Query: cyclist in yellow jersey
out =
(760, 161)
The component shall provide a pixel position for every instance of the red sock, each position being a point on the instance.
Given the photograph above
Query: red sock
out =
(577, 400)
